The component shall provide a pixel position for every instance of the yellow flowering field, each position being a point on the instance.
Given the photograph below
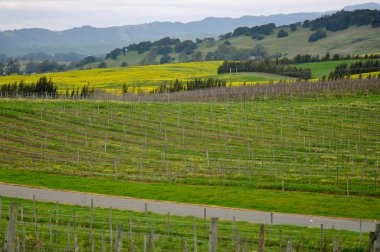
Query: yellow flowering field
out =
(114, 78)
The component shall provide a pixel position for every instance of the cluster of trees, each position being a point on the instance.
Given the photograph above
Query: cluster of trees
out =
(44, 67)
(163, 46)
(282, 34)
(176, 86)
(228, 52)
(344, 19)
(344, 70)
(10, 67)
(42, 86)
(86, 60)
(319, 34)
(83, 92)
(257, 32)
(265, 66)
(115, 53)
(307, 58)
(186, 47)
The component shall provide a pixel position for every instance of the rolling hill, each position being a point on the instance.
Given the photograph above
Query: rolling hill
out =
(354, 40)
(92, 40)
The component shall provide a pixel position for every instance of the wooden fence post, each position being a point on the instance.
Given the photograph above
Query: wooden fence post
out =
(271, 224)
(289, 245)
(321, 241)
(204, 218)
(335, 244)
(55, 240)
(151, 240)
(76, 243)
(119, 242)
(195, 235)
(374, 240)
(10, 241)
(183, 244)
(110, 227)
(213, 240)
(377, 239)
(280, 244)
(103, 242)
(1, 208)
(262, 238)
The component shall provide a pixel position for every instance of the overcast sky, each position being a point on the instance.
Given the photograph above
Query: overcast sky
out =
(64, 14)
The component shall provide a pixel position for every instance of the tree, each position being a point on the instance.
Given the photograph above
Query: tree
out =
(102, 65)
(293, 27)
(306, 24)
(209, 42)
(319, 34)
(165, 49)
(2, 68)
(210, 56)
(124, 64)
(198, 56)
(187, 45)
(241, 31)
(13, 67)
(167, 41)
(31, 67)
(125, 88)
(114, 53)
(85, 61)
(259, 50)
(165, 59)
(282, 34)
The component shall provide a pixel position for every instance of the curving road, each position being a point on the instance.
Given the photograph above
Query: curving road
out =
(182, 209)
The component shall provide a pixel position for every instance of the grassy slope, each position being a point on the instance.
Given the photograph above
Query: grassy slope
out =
(336, 42)
(82, 127)
(354, 40)
(320, 69)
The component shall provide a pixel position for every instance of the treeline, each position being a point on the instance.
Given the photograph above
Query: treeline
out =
(343, 19)
(176, 86)
(345, 70)
(256, 32)
(44, 67)
(163, 46)
(335, 22)
(309, 58)
(264, 66)
(83, 92)
(42, 86)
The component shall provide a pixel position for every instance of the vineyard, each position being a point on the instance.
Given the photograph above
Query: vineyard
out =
(56, 227)
(299, 147)
(317, 144)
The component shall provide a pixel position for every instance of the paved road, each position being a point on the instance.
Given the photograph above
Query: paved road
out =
(181, 209)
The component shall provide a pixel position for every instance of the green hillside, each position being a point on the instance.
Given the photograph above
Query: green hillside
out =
(354, 40)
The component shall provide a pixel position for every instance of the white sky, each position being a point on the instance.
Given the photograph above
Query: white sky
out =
(64, 14)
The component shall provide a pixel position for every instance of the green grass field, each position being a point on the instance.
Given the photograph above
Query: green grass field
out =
(320, 69)
(46, 227)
